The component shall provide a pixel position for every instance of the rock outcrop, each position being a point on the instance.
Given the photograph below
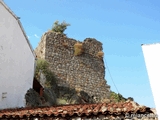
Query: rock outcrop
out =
(32, 98)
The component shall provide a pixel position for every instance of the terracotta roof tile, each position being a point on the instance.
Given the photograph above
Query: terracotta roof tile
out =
(79, 110)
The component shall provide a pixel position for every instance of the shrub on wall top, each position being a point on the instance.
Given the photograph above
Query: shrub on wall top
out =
(60, 27)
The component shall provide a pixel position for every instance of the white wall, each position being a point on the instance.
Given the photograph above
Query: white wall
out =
(16, 62)
(152, 59)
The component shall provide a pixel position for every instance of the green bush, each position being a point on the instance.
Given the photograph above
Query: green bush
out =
(117, 97)
(44, 67)
(60, 27)
(41, 65)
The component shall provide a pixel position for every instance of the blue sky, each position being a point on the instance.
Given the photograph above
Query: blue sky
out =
(121, 25)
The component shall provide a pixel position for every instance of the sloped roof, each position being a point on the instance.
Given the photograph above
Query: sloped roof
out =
(78, 110)
(150, 44)
(12, 13)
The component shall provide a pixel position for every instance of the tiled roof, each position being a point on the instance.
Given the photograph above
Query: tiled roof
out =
(78, 110)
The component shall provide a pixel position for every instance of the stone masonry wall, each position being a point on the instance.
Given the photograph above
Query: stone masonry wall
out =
(41, 48)
(85, 72)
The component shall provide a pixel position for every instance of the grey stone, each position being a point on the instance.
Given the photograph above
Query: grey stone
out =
(86, 71)
(32, 98)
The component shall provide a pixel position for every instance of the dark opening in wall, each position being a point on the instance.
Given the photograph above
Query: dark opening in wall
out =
(37, 87)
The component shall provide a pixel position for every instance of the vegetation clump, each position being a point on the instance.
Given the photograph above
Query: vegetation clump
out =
(78, 49)
(60, 27)
(117, 97)
(100, 54)
(43, 66)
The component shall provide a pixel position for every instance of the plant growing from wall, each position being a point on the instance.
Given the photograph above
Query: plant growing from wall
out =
(60, 27)
(100, 54)
(117, 97)
(78, 49)
(43, 66)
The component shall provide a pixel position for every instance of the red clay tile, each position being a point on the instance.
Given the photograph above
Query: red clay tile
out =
(83, 109)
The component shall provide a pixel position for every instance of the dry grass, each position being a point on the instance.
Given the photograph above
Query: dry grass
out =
(78, 45)
(50, 30)
(100, 54)
(78, 49)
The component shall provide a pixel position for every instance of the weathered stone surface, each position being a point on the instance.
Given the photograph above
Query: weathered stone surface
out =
(42, 79)
(85, 72)
(32, 98)
(72, 96)
(49, 96)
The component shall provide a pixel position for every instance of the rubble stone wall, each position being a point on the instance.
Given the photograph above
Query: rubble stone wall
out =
(85, 72)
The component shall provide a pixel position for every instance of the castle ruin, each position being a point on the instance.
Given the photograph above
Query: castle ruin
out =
(83, 72)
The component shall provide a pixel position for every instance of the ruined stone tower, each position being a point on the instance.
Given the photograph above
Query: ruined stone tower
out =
(84, 72)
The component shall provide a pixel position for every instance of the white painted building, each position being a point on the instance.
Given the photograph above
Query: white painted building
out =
(151, 54)
(17, 60)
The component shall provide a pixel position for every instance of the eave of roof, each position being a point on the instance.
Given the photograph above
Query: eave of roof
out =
(78, 110)
(12, 13)
(150, 44)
